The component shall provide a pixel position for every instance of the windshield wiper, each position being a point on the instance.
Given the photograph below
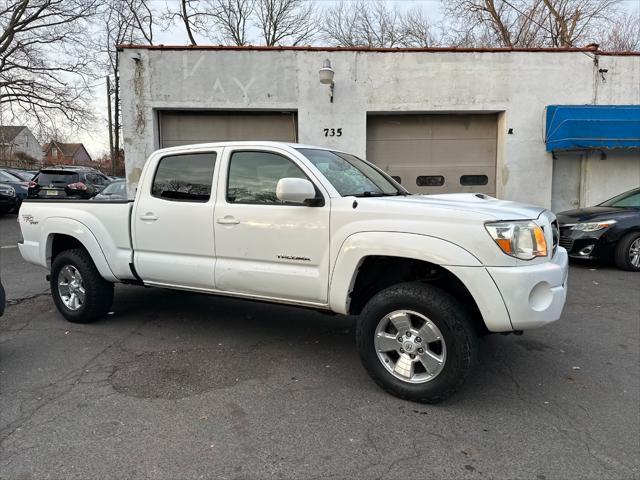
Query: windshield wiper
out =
(369, 193)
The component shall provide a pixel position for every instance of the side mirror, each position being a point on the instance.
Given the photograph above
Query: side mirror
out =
(295, 190)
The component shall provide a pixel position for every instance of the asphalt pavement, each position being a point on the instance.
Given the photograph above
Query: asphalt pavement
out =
(179, 385)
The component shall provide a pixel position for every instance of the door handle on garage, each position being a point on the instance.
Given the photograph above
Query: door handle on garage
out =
(148, 217)
(228, 220)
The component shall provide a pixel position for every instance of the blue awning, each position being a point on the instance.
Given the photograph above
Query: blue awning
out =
(585, 127)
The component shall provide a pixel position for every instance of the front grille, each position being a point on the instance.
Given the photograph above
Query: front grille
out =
(555, 234)
(566, 242)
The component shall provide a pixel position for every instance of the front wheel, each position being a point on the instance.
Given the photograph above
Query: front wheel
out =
(416, 341)
(79, 291)
(627, 255)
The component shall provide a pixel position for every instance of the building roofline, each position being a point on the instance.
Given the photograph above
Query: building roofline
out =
(588, 49)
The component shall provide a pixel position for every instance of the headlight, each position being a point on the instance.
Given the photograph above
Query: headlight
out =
(7, 190)
(593, 226)
(523, 240)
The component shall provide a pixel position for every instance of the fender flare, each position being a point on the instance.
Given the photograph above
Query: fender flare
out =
(360, 245)
(78, 230)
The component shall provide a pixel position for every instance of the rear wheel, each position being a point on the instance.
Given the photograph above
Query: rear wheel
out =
(627, 254)
(79, 291)
(416, 341)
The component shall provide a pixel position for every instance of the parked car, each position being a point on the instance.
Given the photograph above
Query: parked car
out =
(114, 191)
(8, 198)
(24, 175)
(67, 182)
(313, 227)
(20, 187)
(608, 232)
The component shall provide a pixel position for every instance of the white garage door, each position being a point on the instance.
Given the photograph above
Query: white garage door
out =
(436, 153)
(183, 128)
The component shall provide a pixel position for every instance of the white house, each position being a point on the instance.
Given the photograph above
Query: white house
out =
(19, 147)
(440, 120)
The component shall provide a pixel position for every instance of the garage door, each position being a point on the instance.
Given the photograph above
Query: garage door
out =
(436, 153)
(183, 128)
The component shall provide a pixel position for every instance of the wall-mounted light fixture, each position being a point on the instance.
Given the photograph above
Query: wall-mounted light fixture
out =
(326, 77)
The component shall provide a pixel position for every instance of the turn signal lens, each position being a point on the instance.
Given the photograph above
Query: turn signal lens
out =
(523, 240)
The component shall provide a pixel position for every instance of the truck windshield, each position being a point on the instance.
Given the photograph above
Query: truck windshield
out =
(352, 176)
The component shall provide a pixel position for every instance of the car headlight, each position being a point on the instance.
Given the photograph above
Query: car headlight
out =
(524, 240)
(7, 190)
(593, 226)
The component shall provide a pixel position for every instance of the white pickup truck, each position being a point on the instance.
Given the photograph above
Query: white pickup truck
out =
(308, 226)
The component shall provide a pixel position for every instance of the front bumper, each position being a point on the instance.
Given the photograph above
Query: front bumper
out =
(534, 294)
(581, 244)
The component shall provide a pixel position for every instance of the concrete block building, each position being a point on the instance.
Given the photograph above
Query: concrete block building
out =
(439, 120)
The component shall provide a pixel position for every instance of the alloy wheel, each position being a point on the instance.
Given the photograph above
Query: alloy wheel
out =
(410, 346)
(71, 287)
(634, 253)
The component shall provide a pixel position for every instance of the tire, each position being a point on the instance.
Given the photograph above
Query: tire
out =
(98, 293)
(452, 325)
(624, 255)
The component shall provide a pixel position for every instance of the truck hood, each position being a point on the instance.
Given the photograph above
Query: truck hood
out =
(470, 202)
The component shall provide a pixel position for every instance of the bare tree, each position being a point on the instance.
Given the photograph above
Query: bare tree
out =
(188, 14)
(364, 23)
(43, 67)
(123, 22)
(230, 19)
(623, 35)
(575, 22)
(290, 22)
(417, 29)
(143, 19)
(531, 23)
(341, 25)
(496, 23)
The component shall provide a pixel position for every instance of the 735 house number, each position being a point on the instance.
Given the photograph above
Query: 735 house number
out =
(333, 132)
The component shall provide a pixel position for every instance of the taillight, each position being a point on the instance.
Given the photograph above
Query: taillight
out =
(77, 186)
(32, 184)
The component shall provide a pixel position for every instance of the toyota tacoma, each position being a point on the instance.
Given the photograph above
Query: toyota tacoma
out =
(425, 275)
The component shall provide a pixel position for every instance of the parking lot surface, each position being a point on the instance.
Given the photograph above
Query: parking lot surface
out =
(181, 385)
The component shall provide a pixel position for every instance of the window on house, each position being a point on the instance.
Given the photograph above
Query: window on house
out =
(472, 180)
(430, 181)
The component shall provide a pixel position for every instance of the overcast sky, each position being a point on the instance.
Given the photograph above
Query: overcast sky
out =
(97, 141)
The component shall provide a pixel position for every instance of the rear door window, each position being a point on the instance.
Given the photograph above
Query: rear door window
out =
(56, 179)
(184, 177)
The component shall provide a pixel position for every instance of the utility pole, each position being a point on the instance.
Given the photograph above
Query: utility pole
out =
(111, 153)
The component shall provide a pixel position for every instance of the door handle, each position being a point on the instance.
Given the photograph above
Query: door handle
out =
(228, 220)
(148, 217)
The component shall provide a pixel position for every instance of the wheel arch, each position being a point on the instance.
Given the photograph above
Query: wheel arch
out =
(370, 262)
(65, 233)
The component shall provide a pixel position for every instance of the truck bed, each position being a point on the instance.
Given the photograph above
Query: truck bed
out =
(103, 227)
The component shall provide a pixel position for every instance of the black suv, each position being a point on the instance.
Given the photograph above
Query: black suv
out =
(67, 182)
